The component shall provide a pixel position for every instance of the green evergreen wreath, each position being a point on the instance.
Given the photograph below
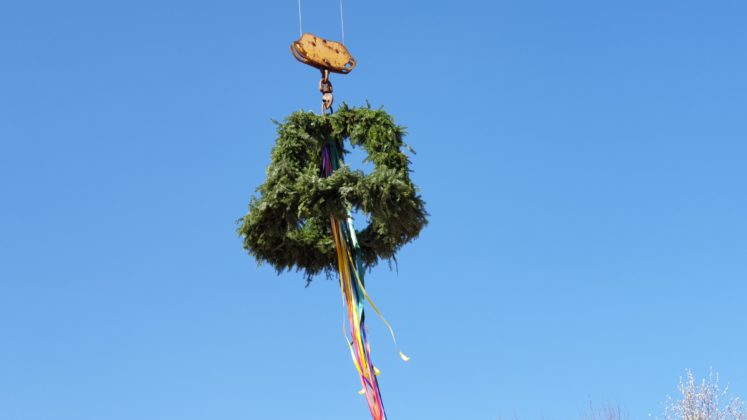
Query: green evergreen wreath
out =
(288, 225)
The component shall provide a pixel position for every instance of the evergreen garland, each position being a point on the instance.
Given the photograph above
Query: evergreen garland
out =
(288, 224)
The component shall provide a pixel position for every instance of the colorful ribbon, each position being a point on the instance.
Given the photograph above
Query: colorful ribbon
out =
(350, 268)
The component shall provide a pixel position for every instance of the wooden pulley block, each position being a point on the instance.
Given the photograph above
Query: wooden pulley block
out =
(323, 54)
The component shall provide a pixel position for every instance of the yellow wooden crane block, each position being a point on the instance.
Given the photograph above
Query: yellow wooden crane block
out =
(323, 54)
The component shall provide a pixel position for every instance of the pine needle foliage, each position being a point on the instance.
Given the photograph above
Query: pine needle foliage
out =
(288, 223)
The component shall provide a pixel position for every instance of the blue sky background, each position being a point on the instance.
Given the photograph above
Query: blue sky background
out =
(584, 164)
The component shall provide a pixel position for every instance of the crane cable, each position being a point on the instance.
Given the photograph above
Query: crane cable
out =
(342, 22)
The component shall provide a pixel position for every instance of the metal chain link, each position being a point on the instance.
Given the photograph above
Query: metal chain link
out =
(325, 87)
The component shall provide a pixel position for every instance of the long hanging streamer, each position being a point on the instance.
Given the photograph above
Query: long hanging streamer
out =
(353, 295)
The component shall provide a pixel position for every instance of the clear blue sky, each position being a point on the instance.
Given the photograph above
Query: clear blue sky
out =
(584, 164)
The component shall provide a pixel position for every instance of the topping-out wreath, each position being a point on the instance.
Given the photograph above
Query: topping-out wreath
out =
(288, 223)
